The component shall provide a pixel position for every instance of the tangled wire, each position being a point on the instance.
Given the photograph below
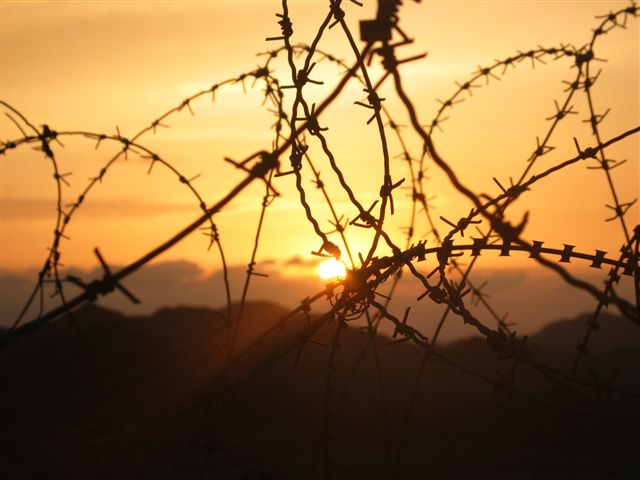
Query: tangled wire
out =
(299, 138)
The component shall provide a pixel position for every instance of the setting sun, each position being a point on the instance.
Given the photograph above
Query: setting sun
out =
(340, 230)
(332, 268)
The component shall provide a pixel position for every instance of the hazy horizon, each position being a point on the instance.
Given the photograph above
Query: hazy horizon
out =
(185, 283)
(422, 215)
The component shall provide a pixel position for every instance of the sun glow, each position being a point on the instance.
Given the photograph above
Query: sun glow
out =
(332, 268)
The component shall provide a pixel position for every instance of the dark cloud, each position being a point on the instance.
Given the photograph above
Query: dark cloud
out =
(11, 280)
(298, 261)
(505, 279)
(166, 284)
(532, 298)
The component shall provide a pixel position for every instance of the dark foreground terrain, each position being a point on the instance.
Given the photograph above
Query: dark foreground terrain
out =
(146, 401)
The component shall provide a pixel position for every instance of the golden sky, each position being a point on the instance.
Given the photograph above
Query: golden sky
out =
(96, 66)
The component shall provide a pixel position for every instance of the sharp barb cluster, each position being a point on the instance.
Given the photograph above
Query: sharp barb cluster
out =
(301, 141)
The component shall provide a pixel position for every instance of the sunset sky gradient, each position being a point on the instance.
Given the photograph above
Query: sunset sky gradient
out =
(97, 65)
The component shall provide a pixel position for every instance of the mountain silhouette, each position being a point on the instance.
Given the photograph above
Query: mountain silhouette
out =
(139, 397)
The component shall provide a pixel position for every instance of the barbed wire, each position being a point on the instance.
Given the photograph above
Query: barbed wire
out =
(298, 133)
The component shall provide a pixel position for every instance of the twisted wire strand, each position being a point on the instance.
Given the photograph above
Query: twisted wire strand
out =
(355, 296)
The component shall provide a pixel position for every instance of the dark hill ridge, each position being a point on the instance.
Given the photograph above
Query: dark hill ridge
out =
(165, 358)
(615, 333)
(65, 410)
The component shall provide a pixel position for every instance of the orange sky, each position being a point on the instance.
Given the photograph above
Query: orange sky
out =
(97, 65)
